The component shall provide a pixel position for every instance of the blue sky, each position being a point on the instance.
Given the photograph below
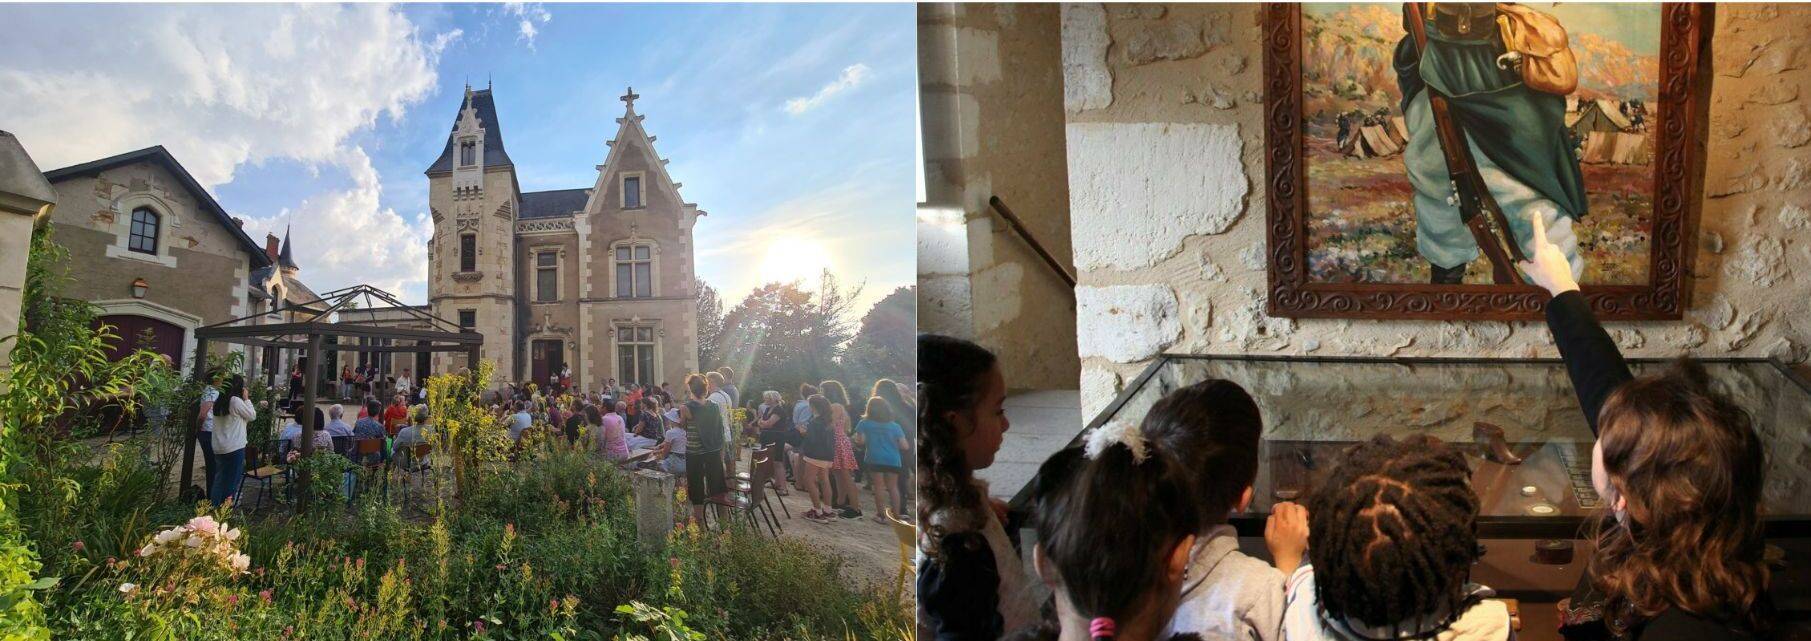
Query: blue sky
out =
(792, 125)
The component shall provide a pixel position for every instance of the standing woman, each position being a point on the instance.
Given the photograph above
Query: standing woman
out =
(230, 419)
(775, 422)
(842, 468)
(971, 584)
(205, 438)
(703, 421)
(817, 457)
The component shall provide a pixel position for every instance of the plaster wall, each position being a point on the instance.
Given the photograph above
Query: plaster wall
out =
(1187, 258)
(992, 89)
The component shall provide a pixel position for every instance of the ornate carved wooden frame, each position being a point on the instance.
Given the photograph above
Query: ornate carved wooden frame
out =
(1678, 179)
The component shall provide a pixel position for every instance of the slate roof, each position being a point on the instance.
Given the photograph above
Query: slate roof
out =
(162, 157)
(494, 156)
(284, 257)
(557, 203)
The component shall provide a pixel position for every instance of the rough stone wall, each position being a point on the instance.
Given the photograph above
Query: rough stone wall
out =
(490, 289)
(208, 279)
(993, 88)
(1166, 180)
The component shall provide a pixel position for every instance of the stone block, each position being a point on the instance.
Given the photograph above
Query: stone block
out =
(1126, 323)
(1087, 83)
(1137, 190)
(653, 492)
(1172, 40)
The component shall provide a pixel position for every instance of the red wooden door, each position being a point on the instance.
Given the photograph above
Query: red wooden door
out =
(140, 332)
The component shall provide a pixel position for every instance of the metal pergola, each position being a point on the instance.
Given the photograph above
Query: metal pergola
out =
(309, 334)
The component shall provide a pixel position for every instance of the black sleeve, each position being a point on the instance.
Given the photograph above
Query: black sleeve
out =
(959, 592)
(1592, 359)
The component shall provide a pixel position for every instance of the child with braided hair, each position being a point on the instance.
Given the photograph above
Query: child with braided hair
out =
(1115, 523)
(1213, 428)
(1391, 537)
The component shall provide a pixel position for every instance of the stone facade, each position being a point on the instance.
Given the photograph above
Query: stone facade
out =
(991, 82)
(202, 261)
(1136, 75)
(632, 222)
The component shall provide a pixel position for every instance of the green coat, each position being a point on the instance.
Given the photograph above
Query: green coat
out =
(1522, 130)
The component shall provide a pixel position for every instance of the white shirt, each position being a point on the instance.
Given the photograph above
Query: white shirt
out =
(721, 398)
(1486, 620)
(403, 384)
(229, 430)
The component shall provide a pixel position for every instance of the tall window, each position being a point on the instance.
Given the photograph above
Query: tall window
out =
(634, 271)
(631, 192)
(468, 153)
(145, 224)
(635, 355)
(468, 318)
(468, 252)
(547, 277)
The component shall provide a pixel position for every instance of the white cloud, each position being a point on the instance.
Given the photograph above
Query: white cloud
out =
(345, 237)
(852, 76)
(527, 14)
(221, 86)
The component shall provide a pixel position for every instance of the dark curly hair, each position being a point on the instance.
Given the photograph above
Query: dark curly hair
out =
(1213, 427)
(1392, 532)
(1108, 525)
(951, 373)
(1691, 468)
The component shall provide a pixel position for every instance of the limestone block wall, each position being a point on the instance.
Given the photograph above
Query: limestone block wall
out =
(992, 85)
(1166, 183)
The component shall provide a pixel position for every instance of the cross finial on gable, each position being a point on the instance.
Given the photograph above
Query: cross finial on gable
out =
(629, 98)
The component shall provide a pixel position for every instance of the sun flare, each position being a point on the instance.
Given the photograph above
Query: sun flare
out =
(795, 259)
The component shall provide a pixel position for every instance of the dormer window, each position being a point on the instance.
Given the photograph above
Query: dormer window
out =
(144, 232)
(631, 192)
(468, 153)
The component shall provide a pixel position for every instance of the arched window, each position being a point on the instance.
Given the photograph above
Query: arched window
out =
(145, 227)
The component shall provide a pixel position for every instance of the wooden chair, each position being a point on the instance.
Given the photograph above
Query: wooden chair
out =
(258, 471)
(369, 454)
(417, 465)
(908, 548)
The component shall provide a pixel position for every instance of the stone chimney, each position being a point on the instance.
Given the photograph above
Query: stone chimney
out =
(270, 246)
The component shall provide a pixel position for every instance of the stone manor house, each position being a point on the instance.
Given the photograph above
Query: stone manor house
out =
(598, 278)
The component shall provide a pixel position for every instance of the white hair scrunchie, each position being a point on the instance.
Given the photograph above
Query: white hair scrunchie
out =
(1116, 432)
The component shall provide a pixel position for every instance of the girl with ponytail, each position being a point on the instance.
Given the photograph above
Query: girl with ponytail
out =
(1115, 523)
(971, 584)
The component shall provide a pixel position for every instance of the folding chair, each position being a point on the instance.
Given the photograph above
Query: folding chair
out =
(768, 455)
(742, 499)
(754, 490)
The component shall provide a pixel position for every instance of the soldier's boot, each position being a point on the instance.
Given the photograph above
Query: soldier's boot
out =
(1447, 275)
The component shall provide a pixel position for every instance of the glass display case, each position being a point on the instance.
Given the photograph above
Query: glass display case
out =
(1521, 428)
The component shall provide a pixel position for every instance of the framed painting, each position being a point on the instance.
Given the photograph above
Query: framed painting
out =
(1412, 148)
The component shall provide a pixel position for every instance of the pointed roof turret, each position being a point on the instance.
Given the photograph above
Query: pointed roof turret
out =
(285, 258)
(479, 105)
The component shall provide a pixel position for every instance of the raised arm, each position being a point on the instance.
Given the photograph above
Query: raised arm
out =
(1593, 362)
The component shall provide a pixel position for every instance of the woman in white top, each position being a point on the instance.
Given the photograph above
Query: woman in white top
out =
(230, 419)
